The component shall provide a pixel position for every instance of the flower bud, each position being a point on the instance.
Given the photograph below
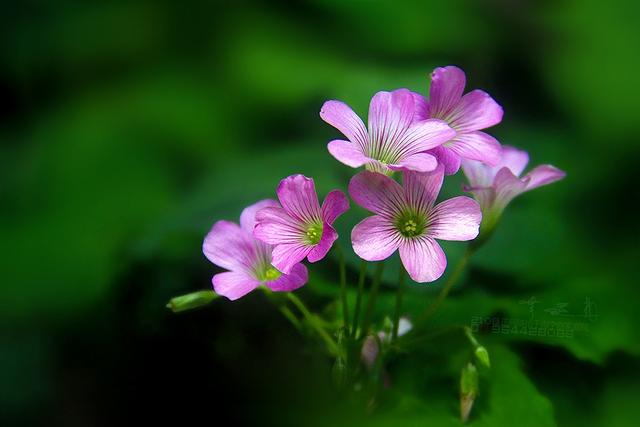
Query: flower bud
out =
(468, 390)
(191, 301)
(483, 356)
(369, 352)
(480, 351)
(387, 326)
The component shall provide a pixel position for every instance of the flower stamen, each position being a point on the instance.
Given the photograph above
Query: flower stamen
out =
(314, 234)
(271, 274)
(267, 273)
(410, 224)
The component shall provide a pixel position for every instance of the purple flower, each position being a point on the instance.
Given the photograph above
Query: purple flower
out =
(300, 228)
(494, 187)
(395, 141)
(248, 260)
(466, 114)
(407, 219)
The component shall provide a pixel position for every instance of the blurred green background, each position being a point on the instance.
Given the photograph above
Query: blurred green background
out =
(128, 128)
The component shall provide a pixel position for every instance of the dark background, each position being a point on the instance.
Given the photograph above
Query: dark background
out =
(128, 128)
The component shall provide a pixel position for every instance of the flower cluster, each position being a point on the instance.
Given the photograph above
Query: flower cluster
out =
(421, 140)
(409, 145)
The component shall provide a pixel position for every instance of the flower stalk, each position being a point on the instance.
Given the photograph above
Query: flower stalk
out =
(373, 295)
(453, 278)
(314, 322)
(399, 295)
(356, 314)
(282, 307)
(343, 287)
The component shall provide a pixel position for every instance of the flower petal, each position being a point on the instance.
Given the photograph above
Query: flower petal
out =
(421, 162)
(421, 189)
(229, 246)
(275, 226)
(449, 159)
(347, 152)
(543, 175)
(425, 135)
(481, 175)
(286, 256)
(329, 235)
(290, 282)
(377, 193)
(375, 238)
(484, 195)
(334, 205)
(404, 326)
(477, 146)
(516, 160)
(297, 195)
(455, 219)
(248, 215)
(423, 259)
(390, 113)
(233, 284)
(421, 105)
(342, 117)
(447, 85)
(507, 186)
(478, 174)
(475, 111)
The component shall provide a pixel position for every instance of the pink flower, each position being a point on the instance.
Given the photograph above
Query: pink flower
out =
(233, 247)
(466, 114)
(394, 141)
(408, 220)
(494, 187)
(300, 228)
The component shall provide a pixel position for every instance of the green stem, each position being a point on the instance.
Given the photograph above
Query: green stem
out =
(472, 339)
(313, 321)
(373, 295)
(356, 314)
(343, 288)
(396, 317)
(288, 314)
(455, 275)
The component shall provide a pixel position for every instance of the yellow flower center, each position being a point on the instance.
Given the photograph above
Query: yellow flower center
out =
(410, 224)
(410, 227)
(271, 273)
(314, 234)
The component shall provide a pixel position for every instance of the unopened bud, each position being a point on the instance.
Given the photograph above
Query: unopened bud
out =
(483, 356)
(387, 325)
(191, 301)
(480, 351)
(468, 390)
(370, 350)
